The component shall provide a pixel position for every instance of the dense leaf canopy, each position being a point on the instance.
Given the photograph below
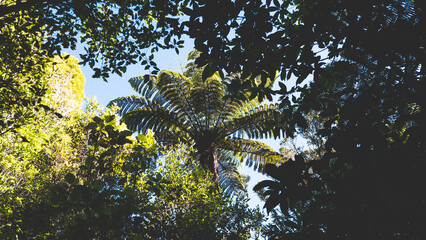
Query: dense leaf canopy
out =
(118, 33)
(84, 176)
(366, 59)
(369, 157)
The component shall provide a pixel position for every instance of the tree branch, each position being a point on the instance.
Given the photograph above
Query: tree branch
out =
(21, 6)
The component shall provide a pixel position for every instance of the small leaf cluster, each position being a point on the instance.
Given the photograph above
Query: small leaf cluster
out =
(289, 186)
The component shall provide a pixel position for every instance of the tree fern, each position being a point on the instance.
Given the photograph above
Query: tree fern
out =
(188, 108)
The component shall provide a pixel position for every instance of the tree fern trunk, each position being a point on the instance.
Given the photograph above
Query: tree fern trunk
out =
(208, 160)
(213, 165)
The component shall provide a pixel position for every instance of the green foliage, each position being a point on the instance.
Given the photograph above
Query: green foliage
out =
(37, 146)
(117, 193)
(33, 32)
(33, 159)
(69, 174)
(368, 152)
(288, 227)
(366, 89)
(116, 33)
(187, 205)
(258, 38)
(55, 88)
(22, 86)
(196, 111)
(379, 122)
(289, 186)
(102, 197)
(84, 175)
(65, 84)
(370, 97)
(297, 38)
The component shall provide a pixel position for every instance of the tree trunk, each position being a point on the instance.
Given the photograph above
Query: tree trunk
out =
(208, 159)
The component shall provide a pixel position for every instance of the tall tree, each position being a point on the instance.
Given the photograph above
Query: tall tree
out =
(185, 108)
(115, 33)
(373, 153)
(96, 181)
(36, 153)
(22, 82)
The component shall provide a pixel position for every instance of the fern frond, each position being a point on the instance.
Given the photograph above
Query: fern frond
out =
(255, 154)
(130, 103)
(144, 85)
(230, 179)
(176, 89)
(156, 118)
(207, 100)
(255, 122)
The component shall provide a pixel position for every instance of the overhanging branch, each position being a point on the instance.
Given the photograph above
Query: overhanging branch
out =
(21, 6)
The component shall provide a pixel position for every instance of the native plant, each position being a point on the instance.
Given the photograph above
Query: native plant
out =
(201, 113)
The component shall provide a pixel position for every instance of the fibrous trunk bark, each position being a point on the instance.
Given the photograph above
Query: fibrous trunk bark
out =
(208, 159)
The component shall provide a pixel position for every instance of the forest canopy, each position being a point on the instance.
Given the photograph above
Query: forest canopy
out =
(358, 101)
